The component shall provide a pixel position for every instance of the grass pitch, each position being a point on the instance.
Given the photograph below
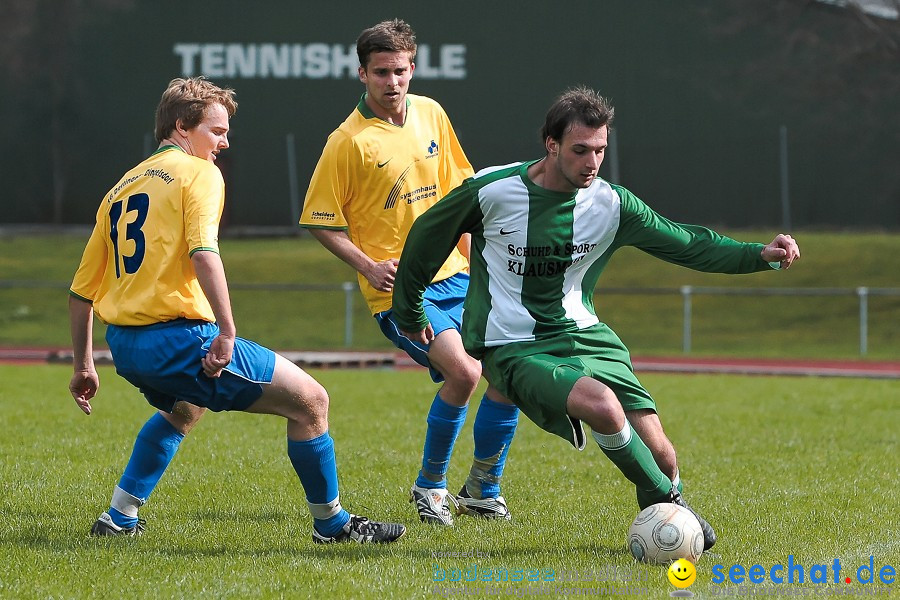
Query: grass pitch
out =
(802, 467)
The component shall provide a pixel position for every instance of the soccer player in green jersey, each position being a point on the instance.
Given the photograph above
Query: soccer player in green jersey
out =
(151, 271)
(392, 159)
(542, 232)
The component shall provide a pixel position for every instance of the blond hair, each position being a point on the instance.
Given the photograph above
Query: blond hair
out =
(187, 100)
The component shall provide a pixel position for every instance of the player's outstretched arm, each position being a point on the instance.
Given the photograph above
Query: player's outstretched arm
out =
(85, 382)
(783, 249)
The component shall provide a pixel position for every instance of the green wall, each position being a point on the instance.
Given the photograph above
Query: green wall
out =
(699, 101)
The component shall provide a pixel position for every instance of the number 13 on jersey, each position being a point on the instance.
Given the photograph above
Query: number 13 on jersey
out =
(140, 204)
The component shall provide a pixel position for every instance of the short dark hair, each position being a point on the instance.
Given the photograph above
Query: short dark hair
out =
(388, 36)
(188, 99)
(579, 104)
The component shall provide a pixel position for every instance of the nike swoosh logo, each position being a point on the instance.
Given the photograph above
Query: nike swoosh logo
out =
(508, 232)
(381, 165)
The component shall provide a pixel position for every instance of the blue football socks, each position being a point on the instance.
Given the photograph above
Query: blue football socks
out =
(315, 464)
(444, 423)
(495, 426)
(154, 449)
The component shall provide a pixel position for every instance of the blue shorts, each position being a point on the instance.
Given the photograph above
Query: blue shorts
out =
(163, 361)
(443, 306)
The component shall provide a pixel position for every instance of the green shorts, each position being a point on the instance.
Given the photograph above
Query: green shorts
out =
(538, 376)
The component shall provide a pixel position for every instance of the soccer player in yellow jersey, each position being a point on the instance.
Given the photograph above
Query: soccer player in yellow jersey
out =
(394, 157)
(151, 271)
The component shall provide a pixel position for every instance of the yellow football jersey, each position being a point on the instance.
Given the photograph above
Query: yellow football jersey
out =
(375, 178)
(136, 268)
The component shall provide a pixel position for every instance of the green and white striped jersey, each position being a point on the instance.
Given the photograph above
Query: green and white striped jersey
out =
(537, 254)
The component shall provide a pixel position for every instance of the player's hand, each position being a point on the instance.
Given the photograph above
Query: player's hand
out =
(423, 336)
(382, 275)
(83, 386)
(218, 356)
(782, 249)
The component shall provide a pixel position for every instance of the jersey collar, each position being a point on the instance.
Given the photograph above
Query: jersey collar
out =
(535, 188)
(167, 147)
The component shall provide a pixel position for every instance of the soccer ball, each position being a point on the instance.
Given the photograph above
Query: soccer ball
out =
(665, 532)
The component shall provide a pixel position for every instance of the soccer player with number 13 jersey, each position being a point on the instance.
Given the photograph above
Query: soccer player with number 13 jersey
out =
(151, 271)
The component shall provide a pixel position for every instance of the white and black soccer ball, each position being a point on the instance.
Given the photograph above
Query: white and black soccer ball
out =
(665, 532)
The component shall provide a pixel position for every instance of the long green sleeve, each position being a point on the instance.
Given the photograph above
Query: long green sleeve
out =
(431, 239)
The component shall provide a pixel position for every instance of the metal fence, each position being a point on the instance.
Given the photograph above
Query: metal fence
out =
(862, 293)
(687, 293)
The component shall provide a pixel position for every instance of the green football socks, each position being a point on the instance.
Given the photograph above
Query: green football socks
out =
(632, 456)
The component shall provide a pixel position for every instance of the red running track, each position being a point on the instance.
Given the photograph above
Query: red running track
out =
(645, 364)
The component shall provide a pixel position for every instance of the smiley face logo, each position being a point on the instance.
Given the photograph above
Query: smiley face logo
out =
(682, 573)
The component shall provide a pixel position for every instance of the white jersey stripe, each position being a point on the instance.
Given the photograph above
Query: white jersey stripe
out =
(596, 220)
(509, 319)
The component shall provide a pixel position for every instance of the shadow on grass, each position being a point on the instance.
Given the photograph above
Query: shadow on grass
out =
(66, 542)
(212, 532)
